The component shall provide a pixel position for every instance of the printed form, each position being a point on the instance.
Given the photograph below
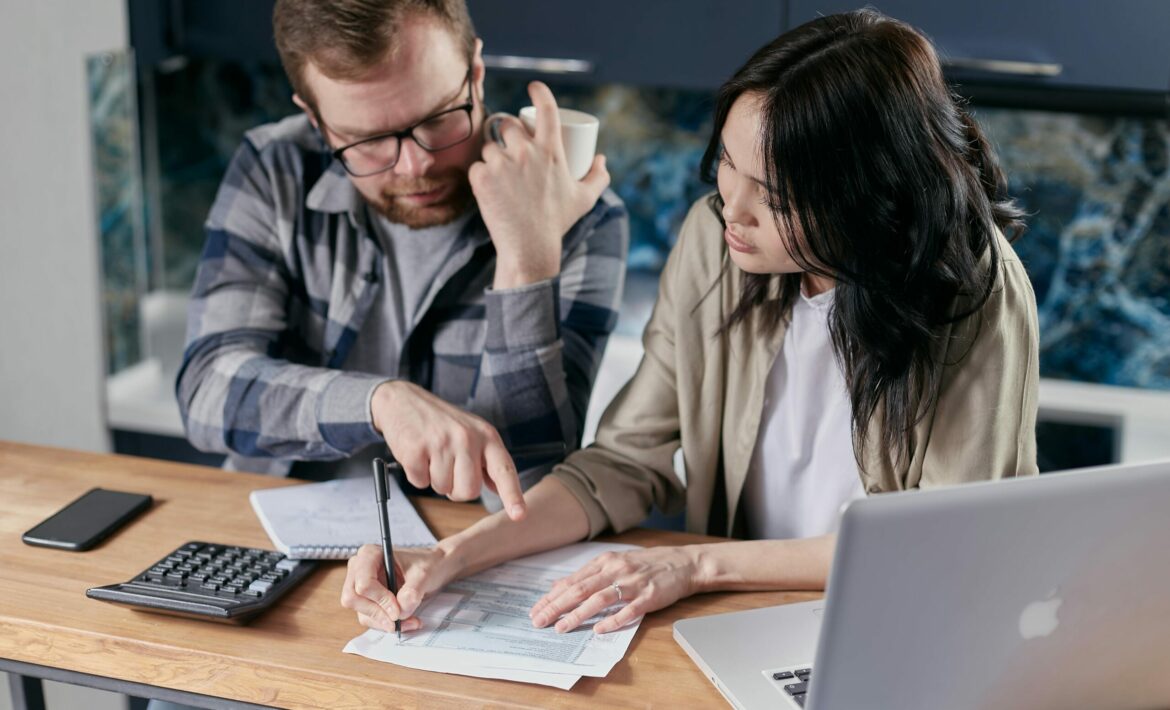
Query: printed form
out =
(479, 626)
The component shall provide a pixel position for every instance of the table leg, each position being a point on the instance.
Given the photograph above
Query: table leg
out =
(26, 692)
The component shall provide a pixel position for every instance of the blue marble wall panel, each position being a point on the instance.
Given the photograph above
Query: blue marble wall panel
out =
(117, 194)
(1097, 190)
(1098, 244)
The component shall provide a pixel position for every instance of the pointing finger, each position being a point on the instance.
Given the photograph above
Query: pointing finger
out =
(502, 472)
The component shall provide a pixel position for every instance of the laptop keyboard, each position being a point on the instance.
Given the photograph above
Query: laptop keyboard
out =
(793, 682)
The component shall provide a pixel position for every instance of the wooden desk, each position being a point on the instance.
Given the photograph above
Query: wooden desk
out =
(288, 657)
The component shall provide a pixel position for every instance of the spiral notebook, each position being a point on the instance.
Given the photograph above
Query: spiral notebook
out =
(331, 520)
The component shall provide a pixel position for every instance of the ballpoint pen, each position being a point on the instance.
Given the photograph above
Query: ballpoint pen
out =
(380, 490)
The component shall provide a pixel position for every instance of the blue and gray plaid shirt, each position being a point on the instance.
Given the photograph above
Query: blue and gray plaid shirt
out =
(288, 275)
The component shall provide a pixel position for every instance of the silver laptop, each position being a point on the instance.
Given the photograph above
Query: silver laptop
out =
(1042, 592)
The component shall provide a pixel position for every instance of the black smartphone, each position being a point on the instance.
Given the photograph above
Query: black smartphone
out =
(88, 520)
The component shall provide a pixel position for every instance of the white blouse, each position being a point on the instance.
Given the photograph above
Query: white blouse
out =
(803, 469)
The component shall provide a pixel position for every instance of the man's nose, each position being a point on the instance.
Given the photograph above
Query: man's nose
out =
(413, 161)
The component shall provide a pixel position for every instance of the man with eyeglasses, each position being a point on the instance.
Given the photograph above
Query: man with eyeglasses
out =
(376, 275)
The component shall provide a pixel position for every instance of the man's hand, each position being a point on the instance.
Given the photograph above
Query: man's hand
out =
(422, 572)
(441, 446)
(527, 197)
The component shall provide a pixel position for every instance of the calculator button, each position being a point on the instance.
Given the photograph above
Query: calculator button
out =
(219, 582)
(260, 586)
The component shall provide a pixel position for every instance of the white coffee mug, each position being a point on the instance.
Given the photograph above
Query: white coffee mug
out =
(578, 133)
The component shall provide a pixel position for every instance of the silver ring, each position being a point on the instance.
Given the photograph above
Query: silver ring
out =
(617, 589)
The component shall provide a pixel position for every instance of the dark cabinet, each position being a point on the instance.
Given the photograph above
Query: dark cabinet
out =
(1072, 44)
(1075, 44)
(239, 30)
(693, 44)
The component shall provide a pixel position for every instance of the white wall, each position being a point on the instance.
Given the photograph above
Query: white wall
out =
(51, 355)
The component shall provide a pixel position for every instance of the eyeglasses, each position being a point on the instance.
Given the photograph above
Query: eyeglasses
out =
(436, 132)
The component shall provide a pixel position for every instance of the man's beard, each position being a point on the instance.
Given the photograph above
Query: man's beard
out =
(452, 206)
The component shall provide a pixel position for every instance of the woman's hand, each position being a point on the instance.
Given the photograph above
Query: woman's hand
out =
(422, 571)
(650, 579)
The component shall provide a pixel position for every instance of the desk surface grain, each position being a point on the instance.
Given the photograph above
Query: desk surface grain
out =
(290, 656)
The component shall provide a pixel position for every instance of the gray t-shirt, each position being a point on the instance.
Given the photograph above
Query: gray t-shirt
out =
(412, 260)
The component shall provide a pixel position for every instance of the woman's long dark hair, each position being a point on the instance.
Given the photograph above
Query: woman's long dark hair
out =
(871, 158)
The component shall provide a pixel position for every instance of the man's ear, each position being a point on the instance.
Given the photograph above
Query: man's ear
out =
(302, 105)
(478, 70)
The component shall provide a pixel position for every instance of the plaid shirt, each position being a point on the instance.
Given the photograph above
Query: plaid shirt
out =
(288, 275)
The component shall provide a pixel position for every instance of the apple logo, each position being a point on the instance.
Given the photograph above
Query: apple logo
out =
(1039, 618)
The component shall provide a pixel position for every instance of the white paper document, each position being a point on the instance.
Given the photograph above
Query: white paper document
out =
(479, 626)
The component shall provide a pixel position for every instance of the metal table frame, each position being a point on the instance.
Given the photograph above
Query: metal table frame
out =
(27, 692)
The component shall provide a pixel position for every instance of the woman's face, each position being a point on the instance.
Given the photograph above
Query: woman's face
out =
(755, 244)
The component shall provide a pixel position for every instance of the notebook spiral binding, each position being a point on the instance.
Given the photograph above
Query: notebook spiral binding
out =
(322, 552)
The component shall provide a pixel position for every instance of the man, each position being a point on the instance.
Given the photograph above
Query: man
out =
(375, 275)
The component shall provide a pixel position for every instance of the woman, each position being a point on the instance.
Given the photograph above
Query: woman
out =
(843, 317)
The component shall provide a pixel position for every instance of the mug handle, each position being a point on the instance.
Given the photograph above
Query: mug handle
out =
(491, 127)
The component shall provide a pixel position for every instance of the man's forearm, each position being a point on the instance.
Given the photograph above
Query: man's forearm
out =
(554, 519)
(227, 406)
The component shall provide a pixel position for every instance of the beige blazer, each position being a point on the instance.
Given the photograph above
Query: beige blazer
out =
(704, 392)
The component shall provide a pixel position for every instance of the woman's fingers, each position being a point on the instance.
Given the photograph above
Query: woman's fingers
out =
(625, 616)
(570, 597)
(591, 607)
(412, 624)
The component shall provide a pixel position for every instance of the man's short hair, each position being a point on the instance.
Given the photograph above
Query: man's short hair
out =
(347, 38)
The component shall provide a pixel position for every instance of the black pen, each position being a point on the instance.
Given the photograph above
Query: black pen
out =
(380, 490)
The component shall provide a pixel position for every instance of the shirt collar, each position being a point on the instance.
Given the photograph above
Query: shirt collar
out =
(333, 192)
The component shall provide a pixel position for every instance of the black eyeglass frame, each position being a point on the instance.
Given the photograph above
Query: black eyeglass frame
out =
(408, 132)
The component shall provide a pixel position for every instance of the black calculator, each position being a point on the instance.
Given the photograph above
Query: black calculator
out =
(201, 580)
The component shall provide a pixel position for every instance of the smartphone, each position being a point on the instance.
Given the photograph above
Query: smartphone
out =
(88, 520)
